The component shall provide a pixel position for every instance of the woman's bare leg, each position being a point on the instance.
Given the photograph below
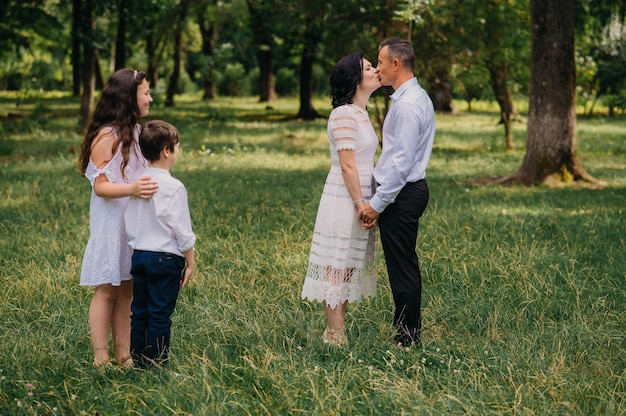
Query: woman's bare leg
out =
(335, 321)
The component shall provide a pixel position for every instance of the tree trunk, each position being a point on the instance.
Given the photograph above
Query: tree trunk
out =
(89, 72)
(208, 32)
(120, 42)
(172, 86)
(311, 37)
(267, 90)
(498, 77)
(76, 29)
(152, 70)
(4, 5)
(551, 154)
(261, 15)
(97, 69)
(440, 92)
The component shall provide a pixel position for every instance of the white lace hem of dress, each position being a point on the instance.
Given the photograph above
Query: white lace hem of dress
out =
(334, 286)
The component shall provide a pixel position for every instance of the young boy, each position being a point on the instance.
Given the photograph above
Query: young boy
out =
(159, 231)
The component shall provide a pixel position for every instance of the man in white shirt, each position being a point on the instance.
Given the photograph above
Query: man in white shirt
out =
(402, 193)
(160, 233)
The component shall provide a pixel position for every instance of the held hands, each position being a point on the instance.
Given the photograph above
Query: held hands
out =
(145, 187)
(368, 216)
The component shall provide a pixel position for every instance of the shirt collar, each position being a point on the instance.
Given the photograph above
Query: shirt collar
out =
(407, 84)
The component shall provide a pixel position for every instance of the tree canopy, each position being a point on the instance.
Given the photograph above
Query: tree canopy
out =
(466, 49)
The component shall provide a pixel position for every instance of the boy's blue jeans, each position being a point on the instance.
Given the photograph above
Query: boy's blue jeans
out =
(156, 282)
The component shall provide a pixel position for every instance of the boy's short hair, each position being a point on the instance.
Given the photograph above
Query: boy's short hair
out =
(155, 136)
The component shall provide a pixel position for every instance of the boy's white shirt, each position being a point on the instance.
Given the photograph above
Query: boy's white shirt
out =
(163, 222)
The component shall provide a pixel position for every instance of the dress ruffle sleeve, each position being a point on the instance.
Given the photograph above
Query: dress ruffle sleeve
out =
(344, 127)
(111, 170)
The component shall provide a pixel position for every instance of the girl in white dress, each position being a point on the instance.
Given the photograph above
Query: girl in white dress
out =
(342, 261)
(111, 159)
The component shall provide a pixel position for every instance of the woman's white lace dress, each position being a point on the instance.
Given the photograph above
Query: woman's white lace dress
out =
(107, 258)
(342, 261)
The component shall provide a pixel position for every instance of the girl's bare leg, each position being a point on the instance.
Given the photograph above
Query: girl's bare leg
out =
(120, 323)
(100, 322)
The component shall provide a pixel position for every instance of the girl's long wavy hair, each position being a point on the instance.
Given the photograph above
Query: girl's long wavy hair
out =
(117, 108)
(346, 76)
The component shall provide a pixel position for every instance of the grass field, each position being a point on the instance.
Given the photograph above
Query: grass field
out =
(524, 288)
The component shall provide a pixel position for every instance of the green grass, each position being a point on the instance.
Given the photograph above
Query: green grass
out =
(524, 288)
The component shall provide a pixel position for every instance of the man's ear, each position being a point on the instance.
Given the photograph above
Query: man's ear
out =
(165, 153)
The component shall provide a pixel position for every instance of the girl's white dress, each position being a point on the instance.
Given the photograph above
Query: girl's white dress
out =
(107, 258)
(342, 261)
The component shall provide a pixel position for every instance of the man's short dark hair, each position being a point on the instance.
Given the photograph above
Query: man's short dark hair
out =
(400, 49)
(156, 136)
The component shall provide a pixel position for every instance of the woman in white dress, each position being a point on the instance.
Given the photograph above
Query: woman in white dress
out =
(342, 261)
(112, 161)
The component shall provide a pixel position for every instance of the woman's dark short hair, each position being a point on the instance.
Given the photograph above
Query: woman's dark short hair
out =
(346, 76)
(156, 136)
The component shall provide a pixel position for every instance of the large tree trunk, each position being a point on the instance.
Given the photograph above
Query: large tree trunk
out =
(88, 70)
(120, 42)
(172, 87)
(267, 90)
(311, 37)
(76, 59)
(551, 154)
(440, 91)
(260, 18)
(498, 76)
(97, 68)
(152, 72)
(208, 31)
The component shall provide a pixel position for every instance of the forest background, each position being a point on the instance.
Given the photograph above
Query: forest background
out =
(466, 49)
